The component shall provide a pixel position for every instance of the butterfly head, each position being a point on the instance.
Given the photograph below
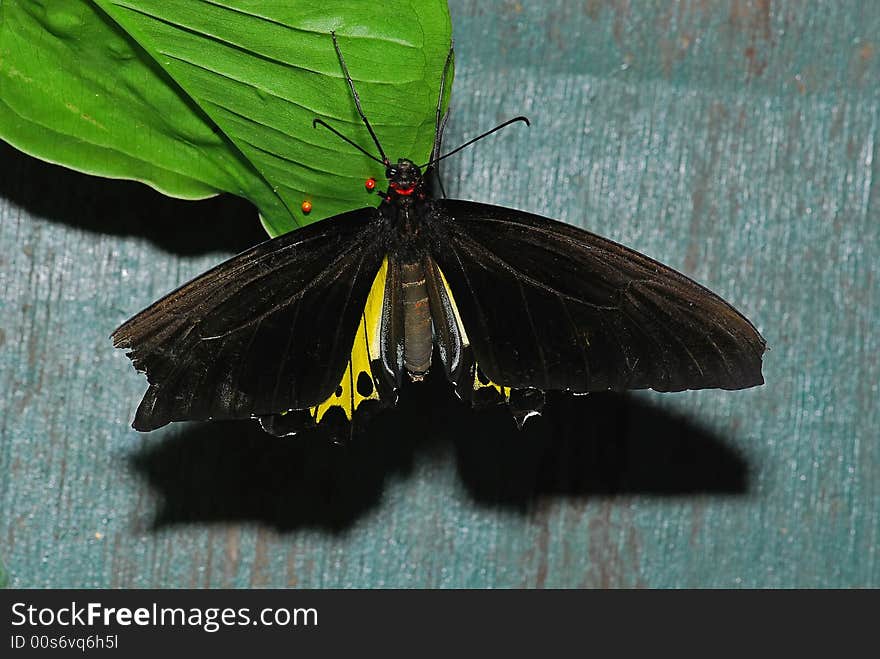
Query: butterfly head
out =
(404, 179)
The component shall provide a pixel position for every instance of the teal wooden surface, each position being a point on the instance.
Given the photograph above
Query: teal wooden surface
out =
(737, 141)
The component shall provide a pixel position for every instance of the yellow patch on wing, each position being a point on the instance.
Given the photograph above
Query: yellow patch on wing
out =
(503, 391)
(358, 384)
(479, 383)
(464, 336)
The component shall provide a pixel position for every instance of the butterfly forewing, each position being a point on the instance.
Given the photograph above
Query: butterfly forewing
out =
(549, 306)
(270, 330)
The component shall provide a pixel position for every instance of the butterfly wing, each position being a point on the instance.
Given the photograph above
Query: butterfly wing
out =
(270, 330)
(550, 306)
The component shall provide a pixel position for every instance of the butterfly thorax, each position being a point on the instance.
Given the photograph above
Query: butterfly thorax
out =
(406, 207)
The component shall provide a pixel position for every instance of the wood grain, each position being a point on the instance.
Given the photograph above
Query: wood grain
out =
(736, 141)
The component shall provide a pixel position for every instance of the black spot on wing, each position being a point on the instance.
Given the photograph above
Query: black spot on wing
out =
(364, 384)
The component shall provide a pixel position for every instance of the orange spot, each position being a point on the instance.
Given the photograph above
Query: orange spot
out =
(307, 207)
(370, 183)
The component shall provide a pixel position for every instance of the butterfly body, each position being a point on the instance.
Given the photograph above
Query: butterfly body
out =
(337, 314)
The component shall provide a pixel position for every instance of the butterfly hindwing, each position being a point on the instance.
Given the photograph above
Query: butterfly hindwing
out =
(362, 379)
(549, 306)
(269, 330)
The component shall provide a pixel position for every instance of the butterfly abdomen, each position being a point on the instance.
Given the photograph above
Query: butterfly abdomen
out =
(418, 335)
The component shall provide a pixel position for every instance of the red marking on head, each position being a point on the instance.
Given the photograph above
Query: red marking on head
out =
(406, 192)
(307, 207)
(370, 184)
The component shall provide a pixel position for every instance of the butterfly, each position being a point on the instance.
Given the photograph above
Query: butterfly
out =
(331, 319)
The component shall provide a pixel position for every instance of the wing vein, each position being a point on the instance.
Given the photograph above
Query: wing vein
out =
(578, 339)
(287, 301)
(520, 275)
(538, 347)
(477, 306)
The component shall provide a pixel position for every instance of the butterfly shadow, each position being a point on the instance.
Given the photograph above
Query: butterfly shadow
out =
(127, 208)
(582, 447)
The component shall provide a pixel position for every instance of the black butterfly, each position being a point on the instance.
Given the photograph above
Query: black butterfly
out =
(314, 323)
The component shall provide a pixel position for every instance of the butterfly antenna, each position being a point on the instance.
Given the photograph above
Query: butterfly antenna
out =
(440, 122)
(357, 100)
(478, 138)
(321, 122)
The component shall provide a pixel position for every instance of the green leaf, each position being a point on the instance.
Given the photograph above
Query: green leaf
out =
(75, 90)
(197, 98)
